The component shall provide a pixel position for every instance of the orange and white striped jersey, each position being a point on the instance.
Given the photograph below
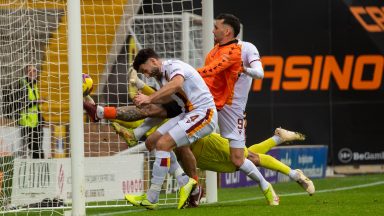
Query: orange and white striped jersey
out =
(195, 93)
(249, 54)
(220, 73)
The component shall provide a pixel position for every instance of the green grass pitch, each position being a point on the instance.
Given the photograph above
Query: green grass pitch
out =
(351, 195)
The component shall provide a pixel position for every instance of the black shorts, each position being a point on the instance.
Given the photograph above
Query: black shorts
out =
(173, 109)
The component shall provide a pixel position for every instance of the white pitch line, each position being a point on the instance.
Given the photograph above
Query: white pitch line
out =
(305, 193)
(256, 198)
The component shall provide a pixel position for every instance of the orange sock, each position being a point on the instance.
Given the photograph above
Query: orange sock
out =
(110, 112)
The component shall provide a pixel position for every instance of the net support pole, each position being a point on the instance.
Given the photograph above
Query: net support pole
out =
(76, 109)
(186, 29)
(207, 6)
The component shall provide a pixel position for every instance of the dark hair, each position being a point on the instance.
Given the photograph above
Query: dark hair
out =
(230, 20)
(143, 56)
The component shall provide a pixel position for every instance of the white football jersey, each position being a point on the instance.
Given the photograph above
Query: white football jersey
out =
(195, 93)
(249, 54)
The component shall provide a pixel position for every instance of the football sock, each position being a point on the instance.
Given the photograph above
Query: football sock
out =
(277, 139)
(272, 163)
(160, 170)
(110, 112)
(263, 147)
(100, 112)
(293, 174)
(127, 124)
(252, 172)
(178, 172)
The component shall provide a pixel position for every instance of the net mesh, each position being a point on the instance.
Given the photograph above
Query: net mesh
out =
(33, 37)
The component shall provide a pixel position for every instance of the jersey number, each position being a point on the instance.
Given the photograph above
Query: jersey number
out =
(240, 123)
(192, 118)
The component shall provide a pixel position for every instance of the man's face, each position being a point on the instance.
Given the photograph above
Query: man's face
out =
(219, 30)
(151, 68)
(32, 73)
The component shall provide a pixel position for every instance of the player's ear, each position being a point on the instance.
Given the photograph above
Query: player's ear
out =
(228, 31)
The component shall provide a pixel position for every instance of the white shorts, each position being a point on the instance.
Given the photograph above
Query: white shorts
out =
(231, 123)
(187, 128)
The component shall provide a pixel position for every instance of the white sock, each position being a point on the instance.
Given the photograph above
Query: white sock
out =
(277, 139)
(159, 171)
(293, 174)
(177, 171)
(100, 112)
(153, 193)
(252, 172)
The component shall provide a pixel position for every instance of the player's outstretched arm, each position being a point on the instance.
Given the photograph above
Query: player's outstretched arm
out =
(163, 95)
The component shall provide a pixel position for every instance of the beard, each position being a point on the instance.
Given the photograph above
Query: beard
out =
(155, 72)
(215, 40)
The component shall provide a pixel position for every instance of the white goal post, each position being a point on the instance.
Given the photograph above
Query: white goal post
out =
(63, 39)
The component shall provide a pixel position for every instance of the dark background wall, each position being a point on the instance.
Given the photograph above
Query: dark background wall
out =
(348, 121)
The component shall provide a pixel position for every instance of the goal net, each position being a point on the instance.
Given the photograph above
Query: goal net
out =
(35, 168)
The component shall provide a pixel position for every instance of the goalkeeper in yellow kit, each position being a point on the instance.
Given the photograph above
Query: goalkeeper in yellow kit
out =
(212, 153)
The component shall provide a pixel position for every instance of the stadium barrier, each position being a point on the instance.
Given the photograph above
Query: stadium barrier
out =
(312, 160)
(107, 178)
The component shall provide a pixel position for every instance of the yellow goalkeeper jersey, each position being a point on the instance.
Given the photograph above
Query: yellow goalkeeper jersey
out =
(212, 153)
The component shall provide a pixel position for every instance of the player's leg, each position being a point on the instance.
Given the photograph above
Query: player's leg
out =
(126, 113)
(124, 130)
(232, 127)
(247, 167)
(134, 132)
(126, 124)
(150, 142)
(177, 133)
(163, 142)
(281, 135)
(190, 166)
(196, 125)
(257, 152)
(131, 136)
(272, 163)
(188, 161)
(161, 167)
(158, 114)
